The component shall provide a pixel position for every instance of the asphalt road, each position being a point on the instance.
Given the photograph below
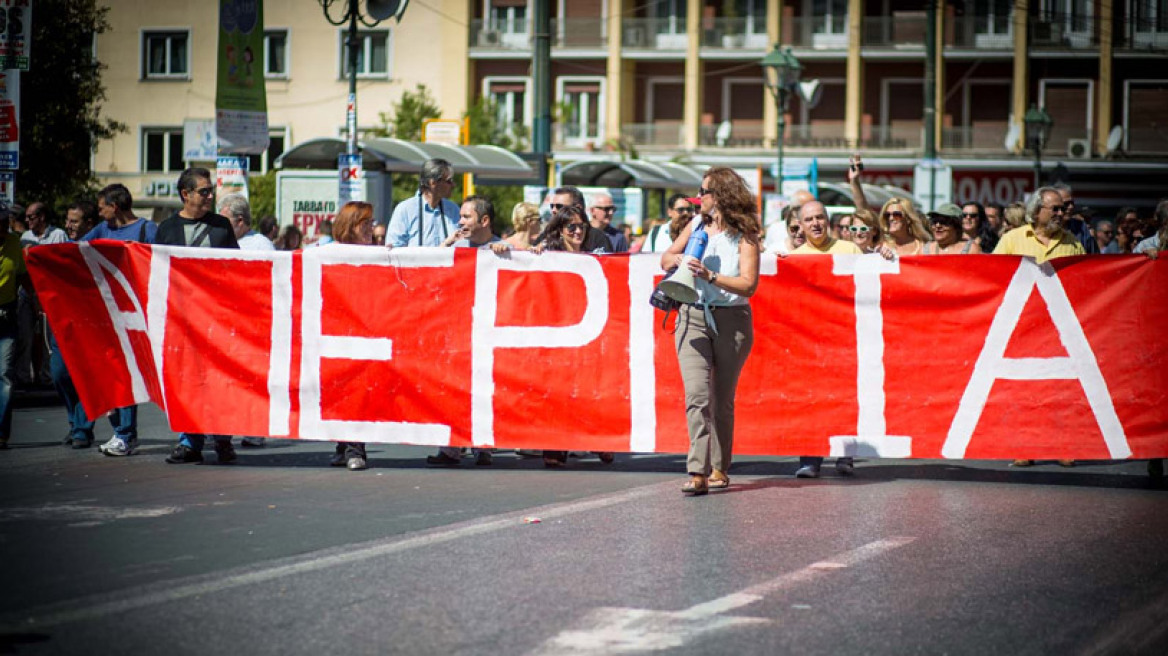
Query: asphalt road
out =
(280, 554)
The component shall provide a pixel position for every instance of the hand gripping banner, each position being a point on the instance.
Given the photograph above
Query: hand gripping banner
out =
(963, 356)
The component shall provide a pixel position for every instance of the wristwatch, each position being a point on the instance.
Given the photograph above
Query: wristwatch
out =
(713, 277)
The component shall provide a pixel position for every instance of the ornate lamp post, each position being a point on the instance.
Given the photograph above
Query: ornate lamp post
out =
(375, 12)
(781, 73)
(1038, 124)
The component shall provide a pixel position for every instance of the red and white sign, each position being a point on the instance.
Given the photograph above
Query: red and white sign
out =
(927, 357)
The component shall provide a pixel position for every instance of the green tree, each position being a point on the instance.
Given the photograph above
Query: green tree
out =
(404, 121)
(262, 195)
(61, 98)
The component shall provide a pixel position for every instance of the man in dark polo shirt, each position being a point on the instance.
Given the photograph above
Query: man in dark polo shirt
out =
(197, 225)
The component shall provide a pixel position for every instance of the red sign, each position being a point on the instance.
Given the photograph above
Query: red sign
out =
(926, 357)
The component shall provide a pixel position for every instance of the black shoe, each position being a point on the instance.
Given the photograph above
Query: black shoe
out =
(82, 442)
(225, 452)
(483, 459)
(442, 460)
(183, 454)
(1156, 469)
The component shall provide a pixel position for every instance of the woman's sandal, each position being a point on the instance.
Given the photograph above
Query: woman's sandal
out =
(696, 487)
(718, 480)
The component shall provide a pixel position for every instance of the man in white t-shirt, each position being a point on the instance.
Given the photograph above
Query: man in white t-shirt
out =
(238, 211)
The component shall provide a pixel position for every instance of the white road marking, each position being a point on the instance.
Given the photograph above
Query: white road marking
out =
(96, 606)
(83, 514)
(633, 630)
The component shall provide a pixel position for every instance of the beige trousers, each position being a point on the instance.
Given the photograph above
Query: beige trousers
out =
(710, 364)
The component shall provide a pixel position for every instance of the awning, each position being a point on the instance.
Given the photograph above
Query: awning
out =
(646, 175)
(399, 156)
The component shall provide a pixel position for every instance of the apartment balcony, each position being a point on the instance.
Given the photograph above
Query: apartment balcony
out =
(980, 33)
(567, 33)
(903, 29)
(1062, 32)
(734, 34)
(661, 134)
(1143, 34)
(654, 34)
(976, 139)
(816, 33)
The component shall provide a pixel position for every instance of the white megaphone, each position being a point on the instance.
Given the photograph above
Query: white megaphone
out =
(681, 286)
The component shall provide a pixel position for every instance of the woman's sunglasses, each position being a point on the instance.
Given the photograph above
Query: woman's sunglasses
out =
(859, 228)
(895, 214)
(574, 227)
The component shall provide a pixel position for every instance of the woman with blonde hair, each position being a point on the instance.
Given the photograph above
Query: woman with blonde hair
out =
(525, 219)
(903, 228)
(1014, 216)
(714, 335)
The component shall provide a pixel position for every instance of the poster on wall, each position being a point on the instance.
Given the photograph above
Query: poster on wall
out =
(15, 34)
(9, 120)
(241, 106)
(230, 176)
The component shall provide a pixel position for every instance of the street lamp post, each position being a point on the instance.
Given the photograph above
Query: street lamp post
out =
(377, 11)
(1038, 124)
(781, 73)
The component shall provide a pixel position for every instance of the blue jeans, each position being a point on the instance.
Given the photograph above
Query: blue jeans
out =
(195, 441)
(124, 420)
(7, 367)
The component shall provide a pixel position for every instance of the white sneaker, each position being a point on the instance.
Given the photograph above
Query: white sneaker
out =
(252, 441)
(116, 446)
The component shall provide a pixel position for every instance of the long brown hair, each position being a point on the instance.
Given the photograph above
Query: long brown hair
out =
(349, 219)
(554, 230)
(735, 202)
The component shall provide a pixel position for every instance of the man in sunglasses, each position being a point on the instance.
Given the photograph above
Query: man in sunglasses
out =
(595, 241)
(600, 216)
(197, 225)
(1073, 221)
(1043, 236)
(429, 217)
(661, 237)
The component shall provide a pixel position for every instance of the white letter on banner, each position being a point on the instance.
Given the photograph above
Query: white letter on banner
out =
(317, 346)
(279, 364)
(992, 364)
(870, 439)
(642, 371)
(486, 336)
(123, 322)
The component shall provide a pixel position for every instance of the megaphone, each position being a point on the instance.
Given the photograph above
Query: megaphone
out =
(681, 286)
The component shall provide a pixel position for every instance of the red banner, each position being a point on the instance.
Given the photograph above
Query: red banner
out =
(925, 357)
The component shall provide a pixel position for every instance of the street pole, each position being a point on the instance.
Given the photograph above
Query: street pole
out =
(1037, 164)
(541, 139)
(782, 129)
(930, 98)
(351, 108)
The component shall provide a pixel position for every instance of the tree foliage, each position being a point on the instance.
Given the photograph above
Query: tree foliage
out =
(60, 104)
(404, 121)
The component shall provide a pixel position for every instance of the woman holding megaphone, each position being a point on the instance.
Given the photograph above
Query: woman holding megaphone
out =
(714, 330)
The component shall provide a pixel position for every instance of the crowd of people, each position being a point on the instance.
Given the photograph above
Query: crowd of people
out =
(713, 336)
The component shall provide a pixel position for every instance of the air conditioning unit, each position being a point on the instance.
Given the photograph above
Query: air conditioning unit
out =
(1078, 148)
(489, 38)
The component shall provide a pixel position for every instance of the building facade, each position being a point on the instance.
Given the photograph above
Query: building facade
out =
(673, 79)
